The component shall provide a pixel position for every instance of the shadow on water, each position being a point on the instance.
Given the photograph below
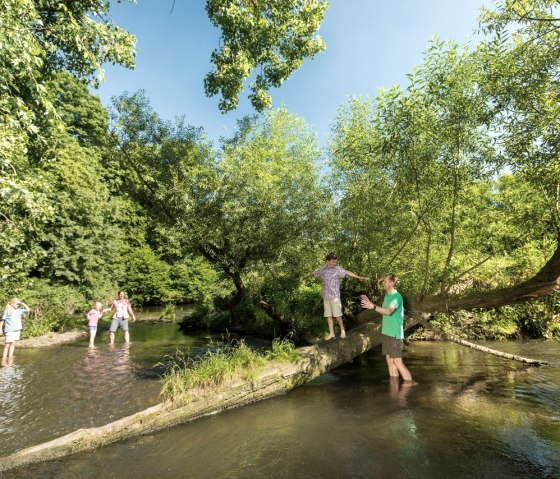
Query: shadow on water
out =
(471, 415)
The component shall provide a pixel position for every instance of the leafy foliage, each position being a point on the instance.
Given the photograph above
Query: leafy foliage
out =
(272, 37)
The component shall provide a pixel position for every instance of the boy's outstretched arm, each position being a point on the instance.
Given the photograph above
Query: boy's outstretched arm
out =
(353, 275)
(309, 276)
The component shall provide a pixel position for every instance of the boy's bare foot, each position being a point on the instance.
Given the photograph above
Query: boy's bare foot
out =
(329, 337)
(342, 334)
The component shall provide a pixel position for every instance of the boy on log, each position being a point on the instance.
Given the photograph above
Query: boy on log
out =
(330, 276)
(392, 333)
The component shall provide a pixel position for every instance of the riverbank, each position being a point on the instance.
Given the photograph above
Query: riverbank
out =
(52, 339)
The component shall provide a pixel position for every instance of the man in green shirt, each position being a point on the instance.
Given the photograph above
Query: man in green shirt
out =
(392, 333)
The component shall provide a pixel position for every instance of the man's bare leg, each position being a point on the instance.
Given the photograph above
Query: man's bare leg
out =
(331, 328)
(126, 337)
(111, 337)
(393, 371)
(12, 349)
(405, 373)
(6, 350)
(341, 326)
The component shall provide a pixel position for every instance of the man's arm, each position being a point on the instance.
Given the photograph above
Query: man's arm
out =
(131, 312)
(353, 275)
(367, 304)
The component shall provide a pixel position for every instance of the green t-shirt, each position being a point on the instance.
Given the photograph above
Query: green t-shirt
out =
(393, 324)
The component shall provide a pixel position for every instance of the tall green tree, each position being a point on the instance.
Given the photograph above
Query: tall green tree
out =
(239, 208)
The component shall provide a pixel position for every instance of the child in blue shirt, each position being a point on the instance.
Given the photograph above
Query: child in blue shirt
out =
(11, 325)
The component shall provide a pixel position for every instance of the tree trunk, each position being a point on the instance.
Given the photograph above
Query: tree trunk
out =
(236, 296)
(284, 325)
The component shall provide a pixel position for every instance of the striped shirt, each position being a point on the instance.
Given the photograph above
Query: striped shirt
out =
(330, 278)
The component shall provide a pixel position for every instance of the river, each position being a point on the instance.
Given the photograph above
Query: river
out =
(470, 415)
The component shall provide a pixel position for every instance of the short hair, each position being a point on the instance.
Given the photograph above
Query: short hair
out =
(330, 256)
(392, 277)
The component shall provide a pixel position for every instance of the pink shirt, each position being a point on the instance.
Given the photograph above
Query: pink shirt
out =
(93, 317)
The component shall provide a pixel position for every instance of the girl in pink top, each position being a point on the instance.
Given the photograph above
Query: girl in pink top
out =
(93, 316)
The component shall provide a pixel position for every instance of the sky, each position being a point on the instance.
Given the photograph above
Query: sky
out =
(371, 44)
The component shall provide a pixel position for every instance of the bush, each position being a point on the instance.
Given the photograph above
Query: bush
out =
(168, 312)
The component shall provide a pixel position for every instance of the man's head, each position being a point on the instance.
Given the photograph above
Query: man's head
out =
(389, 282)
(121, 294)
(331, 260)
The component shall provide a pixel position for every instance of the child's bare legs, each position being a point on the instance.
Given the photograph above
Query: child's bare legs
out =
(341, 326)
(92, 338)
(5, 351)
(8, 350)
(331, 328)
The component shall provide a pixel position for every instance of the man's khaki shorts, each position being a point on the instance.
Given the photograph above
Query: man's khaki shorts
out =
(333, 308)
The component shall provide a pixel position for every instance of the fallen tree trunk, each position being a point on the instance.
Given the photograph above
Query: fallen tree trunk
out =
(494, 352)
(273, 380)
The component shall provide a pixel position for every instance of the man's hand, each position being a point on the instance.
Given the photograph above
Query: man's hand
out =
(366, 303)
(133, 319)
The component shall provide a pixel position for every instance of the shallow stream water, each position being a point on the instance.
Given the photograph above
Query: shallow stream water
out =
(471, 415)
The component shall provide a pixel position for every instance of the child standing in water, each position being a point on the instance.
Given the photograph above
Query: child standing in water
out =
(12, 325)
(93, 316)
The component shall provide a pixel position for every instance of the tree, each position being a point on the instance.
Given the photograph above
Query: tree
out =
(271, 37)
(40, 39)
(414, 170)
(239, 209)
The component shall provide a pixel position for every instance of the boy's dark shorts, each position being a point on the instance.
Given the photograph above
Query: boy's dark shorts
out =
(391, 346)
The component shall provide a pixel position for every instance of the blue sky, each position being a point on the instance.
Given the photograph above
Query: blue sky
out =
(370, 44)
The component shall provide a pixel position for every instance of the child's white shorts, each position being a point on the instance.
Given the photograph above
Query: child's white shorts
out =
(333, 308)
(12, 336)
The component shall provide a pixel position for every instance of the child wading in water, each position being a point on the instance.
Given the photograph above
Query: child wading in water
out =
(330, 276)
(12, 325)
(93, 316)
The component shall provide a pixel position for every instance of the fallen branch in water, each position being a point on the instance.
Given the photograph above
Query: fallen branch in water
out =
(478, 347)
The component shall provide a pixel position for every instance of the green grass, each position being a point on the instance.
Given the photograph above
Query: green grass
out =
(219, 365)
